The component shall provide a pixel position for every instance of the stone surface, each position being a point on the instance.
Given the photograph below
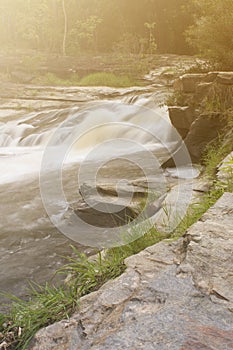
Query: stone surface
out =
(202, 91)
(115, 204)
(203, 130)
(173, 295)
(182, 118)
(187, 83)
(191, 83)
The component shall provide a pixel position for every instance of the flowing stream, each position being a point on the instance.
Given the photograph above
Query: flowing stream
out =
(130, 123)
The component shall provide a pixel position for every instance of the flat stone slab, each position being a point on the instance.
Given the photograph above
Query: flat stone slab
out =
(173, 295)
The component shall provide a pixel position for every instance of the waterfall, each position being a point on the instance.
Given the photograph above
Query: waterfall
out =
(91, 125)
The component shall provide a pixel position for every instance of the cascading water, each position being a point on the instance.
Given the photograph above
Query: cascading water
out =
(23, 139)
(31, 245)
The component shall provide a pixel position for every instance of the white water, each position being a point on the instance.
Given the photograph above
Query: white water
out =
(23, 139)
(30, 245)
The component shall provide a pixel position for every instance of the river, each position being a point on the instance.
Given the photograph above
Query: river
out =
(49, 131)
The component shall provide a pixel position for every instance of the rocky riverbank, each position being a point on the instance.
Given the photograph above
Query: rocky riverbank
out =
(26, 67)
(203, 104)
(188, 114)
(173, 294)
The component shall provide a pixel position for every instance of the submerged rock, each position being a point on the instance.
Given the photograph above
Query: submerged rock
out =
(176, 295)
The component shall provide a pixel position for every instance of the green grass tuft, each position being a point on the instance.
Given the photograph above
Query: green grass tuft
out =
(196, 210)
(95, 79)
(49, 304)
(53, 80)
(106, 79)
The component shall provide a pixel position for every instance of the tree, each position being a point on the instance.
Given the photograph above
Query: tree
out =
(65, 28)
(151, 40)
(70, 26)
(212, 32)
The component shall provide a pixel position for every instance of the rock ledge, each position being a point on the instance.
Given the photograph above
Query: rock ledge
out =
(173, 295)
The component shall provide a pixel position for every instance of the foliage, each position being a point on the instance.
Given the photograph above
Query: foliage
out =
(52, 79)
(197, 209)
(214, 153)
(212, 32)
(130, 43)
(95, 79)
(84, 275)
(177, 98)
(201, 66)
(83, 35)
(46, 305)
(70, 26)
(106, 79)
(49, 304)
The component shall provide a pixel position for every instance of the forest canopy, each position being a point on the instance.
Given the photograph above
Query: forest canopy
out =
(73, 27)
(95, 25)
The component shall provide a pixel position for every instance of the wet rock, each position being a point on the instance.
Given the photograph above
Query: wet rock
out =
(182, 118)
(158, 304)
(112, 204)
(106, 213)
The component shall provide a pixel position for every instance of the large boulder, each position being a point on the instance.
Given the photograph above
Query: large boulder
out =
(182, 118)
(112, 204)
(187, 83)
(203, 130)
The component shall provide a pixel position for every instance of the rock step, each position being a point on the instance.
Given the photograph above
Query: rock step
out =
(173, 295)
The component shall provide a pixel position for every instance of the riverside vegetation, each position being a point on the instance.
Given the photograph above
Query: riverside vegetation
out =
(31, 25)
(48, 304)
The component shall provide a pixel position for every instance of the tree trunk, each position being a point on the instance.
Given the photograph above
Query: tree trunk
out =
(65, 28)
